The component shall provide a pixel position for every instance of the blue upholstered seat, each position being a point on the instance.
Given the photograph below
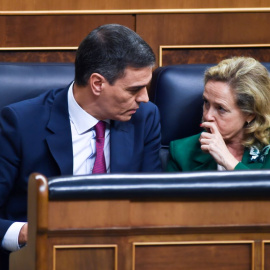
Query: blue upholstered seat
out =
(19, 81)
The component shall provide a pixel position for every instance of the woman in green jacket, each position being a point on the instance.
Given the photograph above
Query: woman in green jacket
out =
(236, 120)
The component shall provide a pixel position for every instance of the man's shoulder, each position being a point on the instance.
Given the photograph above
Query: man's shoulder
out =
(148, 106)
(45, 99)
(146, 109)
(146, 115)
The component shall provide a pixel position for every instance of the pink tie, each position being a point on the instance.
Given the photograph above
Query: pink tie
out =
(100, 165)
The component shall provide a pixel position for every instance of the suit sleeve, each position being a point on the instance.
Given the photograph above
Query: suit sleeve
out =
(152, 143)
(9, 163)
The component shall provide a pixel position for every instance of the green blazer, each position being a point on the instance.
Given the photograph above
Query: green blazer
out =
(186, 155)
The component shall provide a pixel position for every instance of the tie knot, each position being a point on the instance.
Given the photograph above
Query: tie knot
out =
(100, 129)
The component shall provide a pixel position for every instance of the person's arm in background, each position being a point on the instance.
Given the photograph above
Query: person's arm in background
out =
(12, 234)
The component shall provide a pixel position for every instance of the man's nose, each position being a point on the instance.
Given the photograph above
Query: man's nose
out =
(142, 95)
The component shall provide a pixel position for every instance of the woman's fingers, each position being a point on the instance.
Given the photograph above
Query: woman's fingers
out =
(210, 127)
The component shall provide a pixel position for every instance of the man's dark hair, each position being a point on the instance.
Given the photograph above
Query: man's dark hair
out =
(109, 50)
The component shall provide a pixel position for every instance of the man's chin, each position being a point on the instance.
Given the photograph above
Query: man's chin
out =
(124, 117)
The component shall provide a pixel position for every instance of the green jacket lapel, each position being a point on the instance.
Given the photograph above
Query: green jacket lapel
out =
(204, 161)
(250, 165)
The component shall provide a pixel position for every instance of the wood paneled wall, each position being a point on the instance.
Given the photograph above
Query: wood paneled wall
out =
(121, 4)
(193, 29)
(50, 31)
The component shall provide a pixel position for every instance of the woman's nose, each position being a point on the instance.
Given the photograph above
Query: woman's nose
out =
(208, 115)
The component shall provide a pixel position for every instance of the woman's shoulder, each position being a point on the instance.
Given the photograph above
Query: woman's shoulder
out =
(184, 142)
(185, 146)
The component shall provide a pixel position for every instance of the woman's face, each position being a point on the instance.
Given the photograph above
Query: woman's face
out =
(220, 108)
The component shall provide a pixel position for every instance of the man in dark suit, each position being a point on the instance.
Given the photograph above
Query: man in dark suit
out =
(55, 133)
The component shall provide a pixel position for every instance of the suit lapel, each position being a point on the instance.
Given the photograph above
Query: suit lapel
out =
(121, 146)
(60, 141)
(204, 161)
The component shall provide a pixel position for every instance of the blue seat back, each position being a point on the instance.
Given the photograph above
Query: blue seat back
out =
(19, 81)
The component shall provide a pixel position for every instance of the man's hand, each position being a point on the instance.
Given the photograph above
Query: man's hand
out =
(23, 236)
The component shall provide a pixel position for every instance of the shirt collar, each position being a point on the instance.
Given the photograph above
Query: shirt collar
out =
(82, 120)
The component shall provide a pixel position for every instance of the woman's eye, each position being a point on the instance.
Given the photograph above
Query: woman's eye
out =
(205, 102)
(221, 109)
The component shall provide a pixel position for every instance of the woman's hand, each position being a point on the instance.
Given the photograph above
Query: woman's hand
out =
(213, 143)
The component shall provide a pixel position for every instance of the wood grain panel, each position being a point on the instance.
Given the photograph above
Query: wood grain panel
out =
(208, 28)
(38, 56)
(213, 55)
(135, 234)
(266, 255)
(117, 210)
(157, 214)
(195, 257)
(53, 31)
(120, 4)
(70, 258)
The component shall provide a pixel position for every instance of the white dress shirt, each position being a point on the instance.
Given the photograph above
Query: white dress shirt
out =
(84, 154)
(220, 168)
(84, 138)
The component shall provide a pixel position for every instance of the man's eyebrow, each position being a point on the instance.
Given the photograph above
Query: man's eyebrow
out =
(136, 87)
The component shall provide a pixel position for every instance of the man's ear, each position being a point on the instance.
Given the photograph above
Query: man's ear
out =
(96, 82)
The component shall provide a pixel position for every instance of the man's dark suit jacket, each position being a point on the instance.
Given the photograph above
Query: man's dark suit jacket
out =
(35, 136)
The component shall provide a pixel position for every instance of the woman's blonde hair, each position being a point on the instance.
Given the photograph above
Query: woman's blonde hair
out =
(251, 83)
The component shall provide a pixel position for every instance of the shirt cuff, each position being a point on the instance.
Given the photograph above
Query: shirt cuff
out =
(10, 240)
